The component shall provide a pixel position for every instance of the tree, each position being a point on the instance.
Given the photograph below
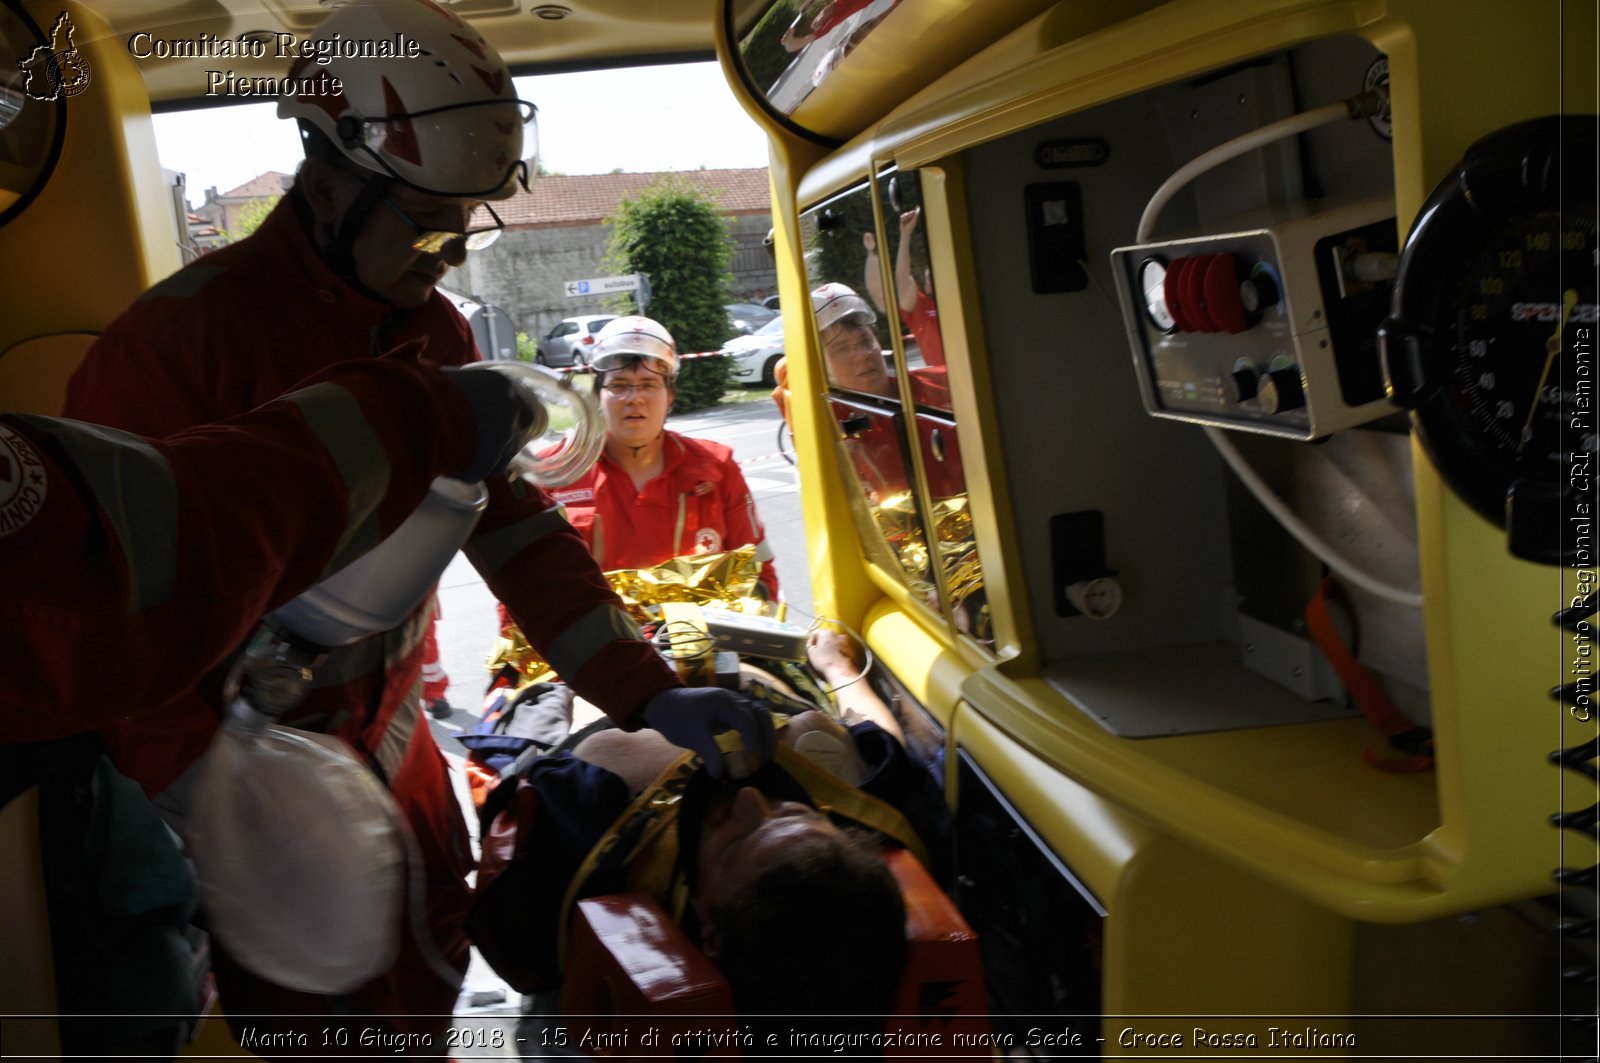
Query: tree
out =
(527, 349)
(673, 234)
(249, 218)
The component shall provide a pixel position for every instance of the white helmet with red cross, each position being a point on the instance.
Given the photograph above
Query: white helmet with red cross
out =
(423, 99)
(834, 302)
(634, 336)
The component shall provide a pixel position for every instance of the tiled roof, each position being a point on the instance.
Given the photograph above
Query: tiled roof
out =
(587, 199)
(262, 186)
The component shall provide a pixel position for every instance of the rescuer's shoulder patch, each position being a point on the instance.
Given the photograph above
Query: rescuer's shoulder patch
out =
(22, 481)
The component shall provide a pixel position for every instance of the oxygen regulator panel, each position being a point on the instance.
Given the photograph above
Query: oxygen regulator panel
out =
(1267, 327)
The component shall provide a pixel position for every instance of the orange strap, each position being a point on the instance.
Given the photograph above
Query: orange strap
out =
(1368, 694)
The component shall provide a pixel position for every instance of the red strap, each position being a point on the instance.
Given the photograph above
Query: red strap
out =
(1367, 692)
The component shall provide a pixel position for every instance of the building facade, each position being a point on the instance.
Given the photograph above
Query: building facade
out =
(224, 211)
(557, 233)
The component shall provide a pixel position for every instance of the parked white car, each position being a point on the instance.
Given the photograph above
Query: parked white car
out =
(756, 356)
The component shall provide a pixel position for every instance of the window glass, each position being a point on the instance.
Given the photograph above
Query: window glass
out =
(864, 394)
(858, 354)
(911, 299)
(884, 503)
(877, 318)
(911, 303)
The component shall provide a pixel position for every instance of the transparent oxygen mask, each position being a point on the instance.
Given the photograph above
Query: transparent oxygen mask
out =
(573, 432)
(380, 589)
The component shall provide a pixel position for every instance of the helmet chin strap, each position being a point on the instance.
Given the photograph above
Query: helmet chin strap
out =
(339, 253)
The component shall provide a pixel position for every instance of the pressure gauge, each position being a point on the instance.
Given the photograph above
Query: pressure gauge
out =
(1492, 343)
(1153, 287)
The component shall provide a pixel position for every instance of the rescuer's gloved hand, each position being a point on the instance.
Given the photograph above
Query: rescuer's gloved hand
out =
(505, 417)
(693, 717)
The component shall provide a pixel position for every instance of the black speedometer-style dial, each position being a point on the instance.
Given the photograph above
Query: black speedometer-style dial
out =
(1492, 344)
(1520, 318)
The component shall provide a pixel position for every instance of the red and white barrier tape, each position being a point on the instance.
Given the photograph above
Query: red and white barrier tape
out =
(681, 358)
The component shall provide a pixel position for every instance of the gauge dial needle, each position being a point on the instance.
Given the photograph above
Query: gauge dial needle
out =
(1552, 347)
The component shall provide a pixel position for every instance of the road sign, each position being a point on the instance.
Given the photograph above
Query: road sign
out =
(603, 285)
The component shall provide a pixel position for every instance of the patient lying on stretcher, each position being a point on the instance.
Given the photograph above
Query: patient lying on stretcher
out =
(794, 905)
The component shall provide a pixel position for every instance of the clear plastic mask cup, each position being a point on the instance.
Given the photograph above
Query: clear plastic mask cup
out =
(573, 433)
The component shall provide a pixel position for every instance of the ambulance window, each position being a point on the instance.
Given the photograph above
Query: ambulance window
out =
(841, 256)
(863, 390)
(911, 287)
(915, 312)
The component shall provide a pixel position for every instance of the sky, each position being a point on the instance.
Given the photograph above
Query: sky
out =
(641, 119)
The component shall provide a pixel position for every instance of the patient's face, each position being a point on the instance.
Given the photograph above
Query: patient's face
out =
(746, 832)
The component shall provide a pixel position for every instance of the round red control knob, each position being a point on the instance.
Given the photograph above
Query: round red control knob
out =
(1221, 289)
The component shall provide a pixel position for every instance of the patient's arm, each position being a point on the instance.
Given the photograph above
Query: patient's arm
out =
(833, 656)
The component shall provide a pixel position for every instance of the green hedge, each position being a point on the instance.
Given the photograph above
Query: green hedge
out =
(673, 235)
(702, 382)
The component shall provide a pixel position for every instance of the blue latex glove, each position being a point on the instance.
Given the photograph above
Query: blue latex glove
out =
(692, 717)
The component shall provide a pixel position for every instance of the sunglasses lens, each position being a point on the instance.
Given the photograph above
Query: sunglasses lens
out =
(431, 243)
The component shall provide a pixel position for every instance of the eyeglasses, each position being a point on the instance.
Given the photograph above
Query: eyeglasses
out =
(435, 241)
(850, 340)
(647, 388)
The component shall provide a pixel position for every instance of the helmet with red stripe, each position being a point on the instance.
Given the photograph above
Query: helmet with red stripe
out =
(423, 99)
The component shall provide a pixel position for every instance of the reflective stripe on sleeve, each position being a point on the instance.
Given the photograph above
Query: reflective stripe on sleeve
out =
(574, 647)
(391, 751)
(341, 427)
(490, 551)
(385, 650)
(763, 548)
(132, 484)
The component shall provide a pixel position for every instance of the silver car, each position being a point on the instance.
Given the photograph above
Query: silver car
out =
(569, 342)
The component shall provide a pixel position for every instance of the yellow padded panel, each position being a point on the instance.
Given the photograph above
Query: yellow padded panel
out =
(34, 373)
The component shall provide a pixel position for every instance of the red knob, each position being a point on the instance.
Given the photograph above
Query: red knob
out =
(1192, 282)
(1221, 291)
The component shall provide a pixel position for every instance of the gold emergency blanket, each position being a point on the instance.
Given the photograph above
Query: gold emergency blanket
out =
(725, 580)
(896, 518)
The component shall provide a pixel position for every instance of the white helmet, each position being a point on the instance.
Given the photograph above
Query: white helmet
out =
(446, 121)
(835, 302)
(634, 337)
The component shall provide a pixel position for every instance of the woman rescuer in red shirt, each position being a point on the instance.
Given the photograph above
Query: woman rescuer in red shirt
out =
(656, 494)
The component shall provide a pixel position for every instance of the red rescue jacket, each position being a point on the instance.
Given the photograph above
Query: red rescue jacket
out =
(699, 504)
(237, 328)
(93, 522)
